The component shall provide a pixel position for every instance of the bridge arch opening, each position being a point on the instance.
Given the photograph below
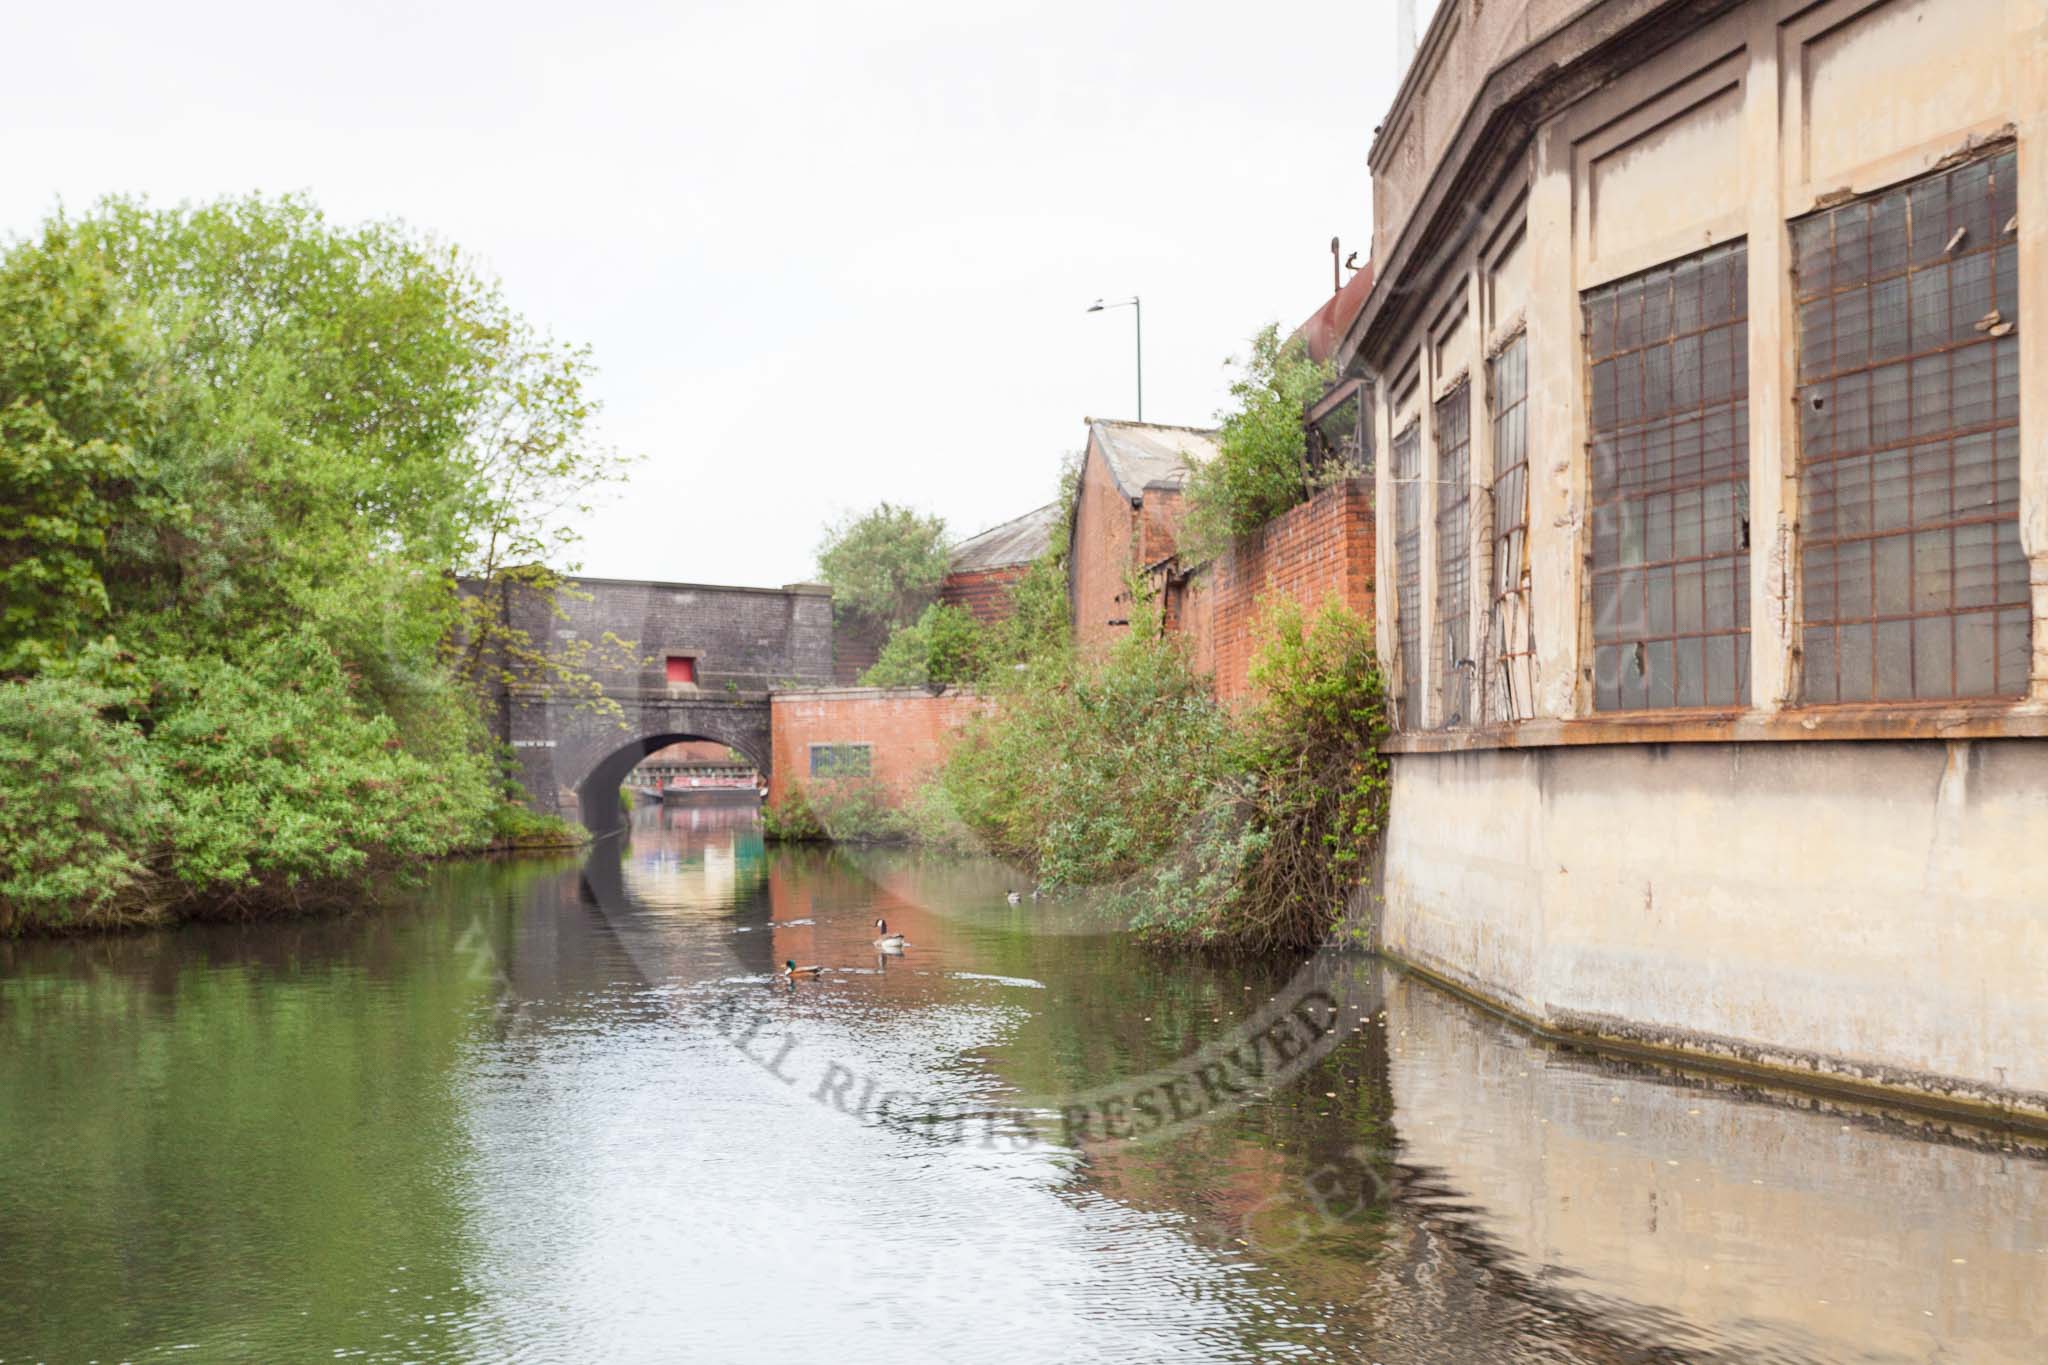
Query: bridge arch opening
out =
(597, 794)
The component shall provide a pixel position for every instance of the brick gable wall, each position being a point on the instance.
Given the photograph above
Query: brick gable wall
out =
(982, 593)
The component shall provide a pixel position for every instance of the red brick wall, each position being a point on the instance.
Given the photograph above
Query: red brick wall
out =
(856, 644)
(1159, 524)
(910, 731)
(1191, 610)
(1102, 555)
(985, 593)
(1320, 549)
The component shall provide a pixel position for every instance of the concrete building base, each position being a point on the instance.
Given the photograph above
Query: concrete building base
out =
(1869, 917)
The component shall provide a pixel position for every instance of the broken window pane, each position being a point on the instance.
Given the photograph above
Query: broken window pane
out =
(1671, 482)
(1510, 644)
(1454, 662)
(1914, 586)
(1406, 474)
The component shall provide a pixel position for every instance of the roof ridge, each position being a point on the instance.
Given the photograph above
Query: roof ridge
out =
(990, 530)
(1154, 426)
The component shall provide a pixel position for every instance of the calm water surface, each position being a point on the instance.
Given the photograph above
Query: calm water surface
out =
(552, 1112)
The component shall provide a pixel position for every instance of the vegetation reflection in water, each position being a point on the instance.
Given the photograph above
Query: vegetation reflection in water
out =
(499, 1119)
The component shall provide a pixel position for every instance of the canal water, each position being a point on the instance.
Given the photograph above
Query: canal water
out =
(558, 1111)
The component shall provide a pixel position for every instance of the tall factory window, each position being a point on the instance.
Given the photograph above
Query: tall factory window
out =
(1914, 585)
(1668, 356)
(1510, 637)
(1406, 472)
(1454, 666)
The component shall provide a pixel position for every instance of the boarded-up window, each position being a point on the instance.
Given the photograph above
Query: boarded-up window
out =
(1914, 583)
(1454, 667)
(1669, 360)
(682, 669)
(1406, 471)
(842, 760)
(1510, 642)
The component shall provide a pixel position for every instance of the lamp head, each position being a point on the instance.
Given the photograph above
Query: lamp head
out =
(1095, 307)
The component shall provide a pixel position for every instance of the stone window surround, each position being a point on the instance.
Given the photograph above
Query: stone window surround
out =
(696, 657)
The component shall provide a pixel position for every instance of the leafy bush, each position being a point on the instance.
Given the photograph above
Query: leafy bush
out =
(278, 774)
(1242, 834)
(135, 788)
(945, 645)
(514, 826)
(1088, 771)
(842, 810)
(1261, 464)
(1275, 856)
(933, 822)
(791, 820)
(81, 814)
(1039, 621)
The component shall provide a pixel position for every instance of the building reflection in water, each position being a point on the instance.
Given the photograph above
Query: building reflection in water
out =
(695, 858)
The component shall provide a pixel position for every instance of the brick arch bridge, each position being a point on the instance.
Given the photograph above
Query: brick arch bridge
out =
(703, 662)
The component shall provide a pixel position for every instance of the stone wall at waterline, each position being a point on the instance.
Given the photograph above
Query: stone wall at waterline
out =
(1866, 912)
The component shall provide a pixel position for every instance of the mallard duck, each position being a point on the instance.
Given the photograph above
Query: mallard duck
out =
(887, 940)
(790, 971)
(1016, 899)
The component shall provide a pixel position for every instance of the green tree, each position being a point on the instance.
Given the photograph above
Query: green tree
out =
(247, 455)
(885, 564)
(1261, 466)
(77, 377)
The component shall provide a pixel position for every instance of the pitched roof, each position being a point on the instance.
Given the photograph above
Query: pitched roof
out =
(1016, 541)
(1143, 455)
(1325, 327)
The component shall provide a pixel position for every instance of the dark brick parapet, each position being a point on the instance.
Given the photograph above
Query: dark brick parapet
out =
(741, 643)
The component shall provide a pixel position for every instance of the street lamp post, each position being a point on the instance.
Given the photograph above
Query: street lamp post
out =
(1138, 315)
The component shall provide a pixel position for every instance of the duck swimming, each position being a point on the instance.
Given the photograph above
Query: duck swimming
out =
(790, 971)
(1016, 899)
(886, 940)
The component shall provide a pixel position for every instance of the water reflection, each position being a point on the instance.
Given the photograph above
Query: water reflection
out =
(558, 1112)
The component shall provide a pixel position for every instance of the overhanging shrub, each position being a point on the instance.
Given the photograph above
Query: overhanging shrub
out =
(1261, 465)
(843, 810)
(1239, 834)
(81, 813)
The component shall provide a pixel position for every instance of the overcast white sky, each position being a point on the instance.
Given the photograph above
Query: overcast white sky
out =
(826, 253)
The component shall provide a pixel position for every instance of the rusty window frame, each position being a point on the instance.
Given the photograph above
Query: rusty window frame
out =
(1667, 364)
(1453, 433)
(1349, 401)
(1510, 631)
(1406, 474)
(1913, 579)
